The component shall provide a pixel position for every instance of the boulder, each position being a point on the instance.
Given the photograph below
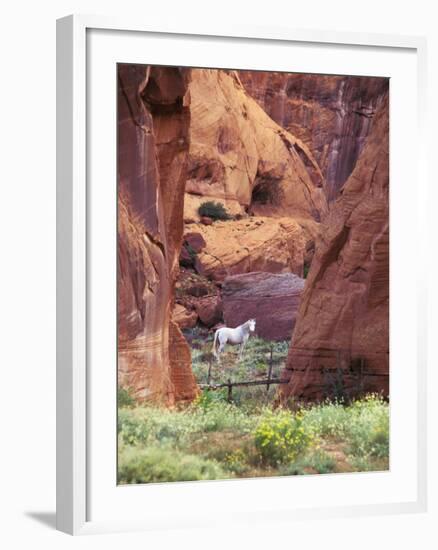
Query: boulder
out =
(271, 299)
(209, 310)
(252, 244)
(191, 287)
(195, 241)
(205, 220)
(343, 319)
(183, 317)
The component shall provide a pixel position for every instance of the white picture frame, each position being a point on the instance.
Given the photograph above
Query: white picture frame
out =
(74, 220)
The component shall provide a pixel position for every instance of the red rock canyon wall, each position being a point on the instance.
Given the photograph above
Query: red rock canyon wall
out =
(244, 159)
(332, 115)
(275, 149)
(153, 144)
(341, 336)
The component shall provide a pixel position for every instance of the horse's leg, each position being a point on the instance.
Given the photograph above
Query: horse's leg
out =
(245, 340)
(220, 349)
(242, 345)
(241, 348)
(216, 334)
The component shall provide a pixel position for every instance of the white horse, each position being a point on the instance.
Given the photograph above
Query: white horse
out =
(233, 336)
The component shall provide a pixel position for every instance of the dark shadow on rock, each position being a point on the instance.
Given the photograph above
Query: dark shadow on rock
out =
(46, 518)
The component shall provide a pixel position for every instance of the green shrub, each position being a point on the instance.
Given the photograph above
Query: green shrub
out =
(327, 419)
(214, 210)
(124, 397)
(361, 464)
(368, 428)
(318, 461)
(236, 462)
(321, 462)
(363, 425)
(280, 436)
(155, 464)
(219, 416)
(295, 468)
(149, 425)
(208, 397)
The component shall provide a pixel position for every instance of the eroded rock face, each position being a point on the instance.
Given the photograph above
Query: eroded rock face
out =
(242, 158)
(342, 332)
(271, 299)
(332, 115)
(153, 143)
(183, 317)
(275, 245)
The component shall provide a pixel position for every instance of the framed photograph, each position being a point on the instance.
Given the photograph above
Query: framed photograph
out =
(238, 329)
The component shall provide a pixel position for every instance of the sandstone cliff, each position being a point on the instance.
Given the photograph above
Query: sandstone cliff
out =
(332, 115)
(153, 144)
(341, 338)
(241, 157)
(186, 137)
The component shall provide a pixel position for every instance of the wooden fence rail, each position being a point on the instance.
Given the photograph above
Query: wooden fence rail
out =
(333, 365)
(230, 385)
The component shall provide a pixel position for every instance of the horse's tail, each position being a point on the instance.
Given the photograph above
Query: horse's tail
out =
(214, 343)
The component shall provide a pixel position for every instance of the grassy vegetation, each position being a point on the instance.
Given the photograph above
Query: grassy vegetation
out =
(125, 398)
(213, 439)
(155, 464)
(259, 354)
(363, 426)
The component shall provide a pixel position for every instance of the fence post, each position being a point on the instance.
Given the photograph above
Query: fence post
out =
(270, 370)
(209, 371)
(230, 391)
